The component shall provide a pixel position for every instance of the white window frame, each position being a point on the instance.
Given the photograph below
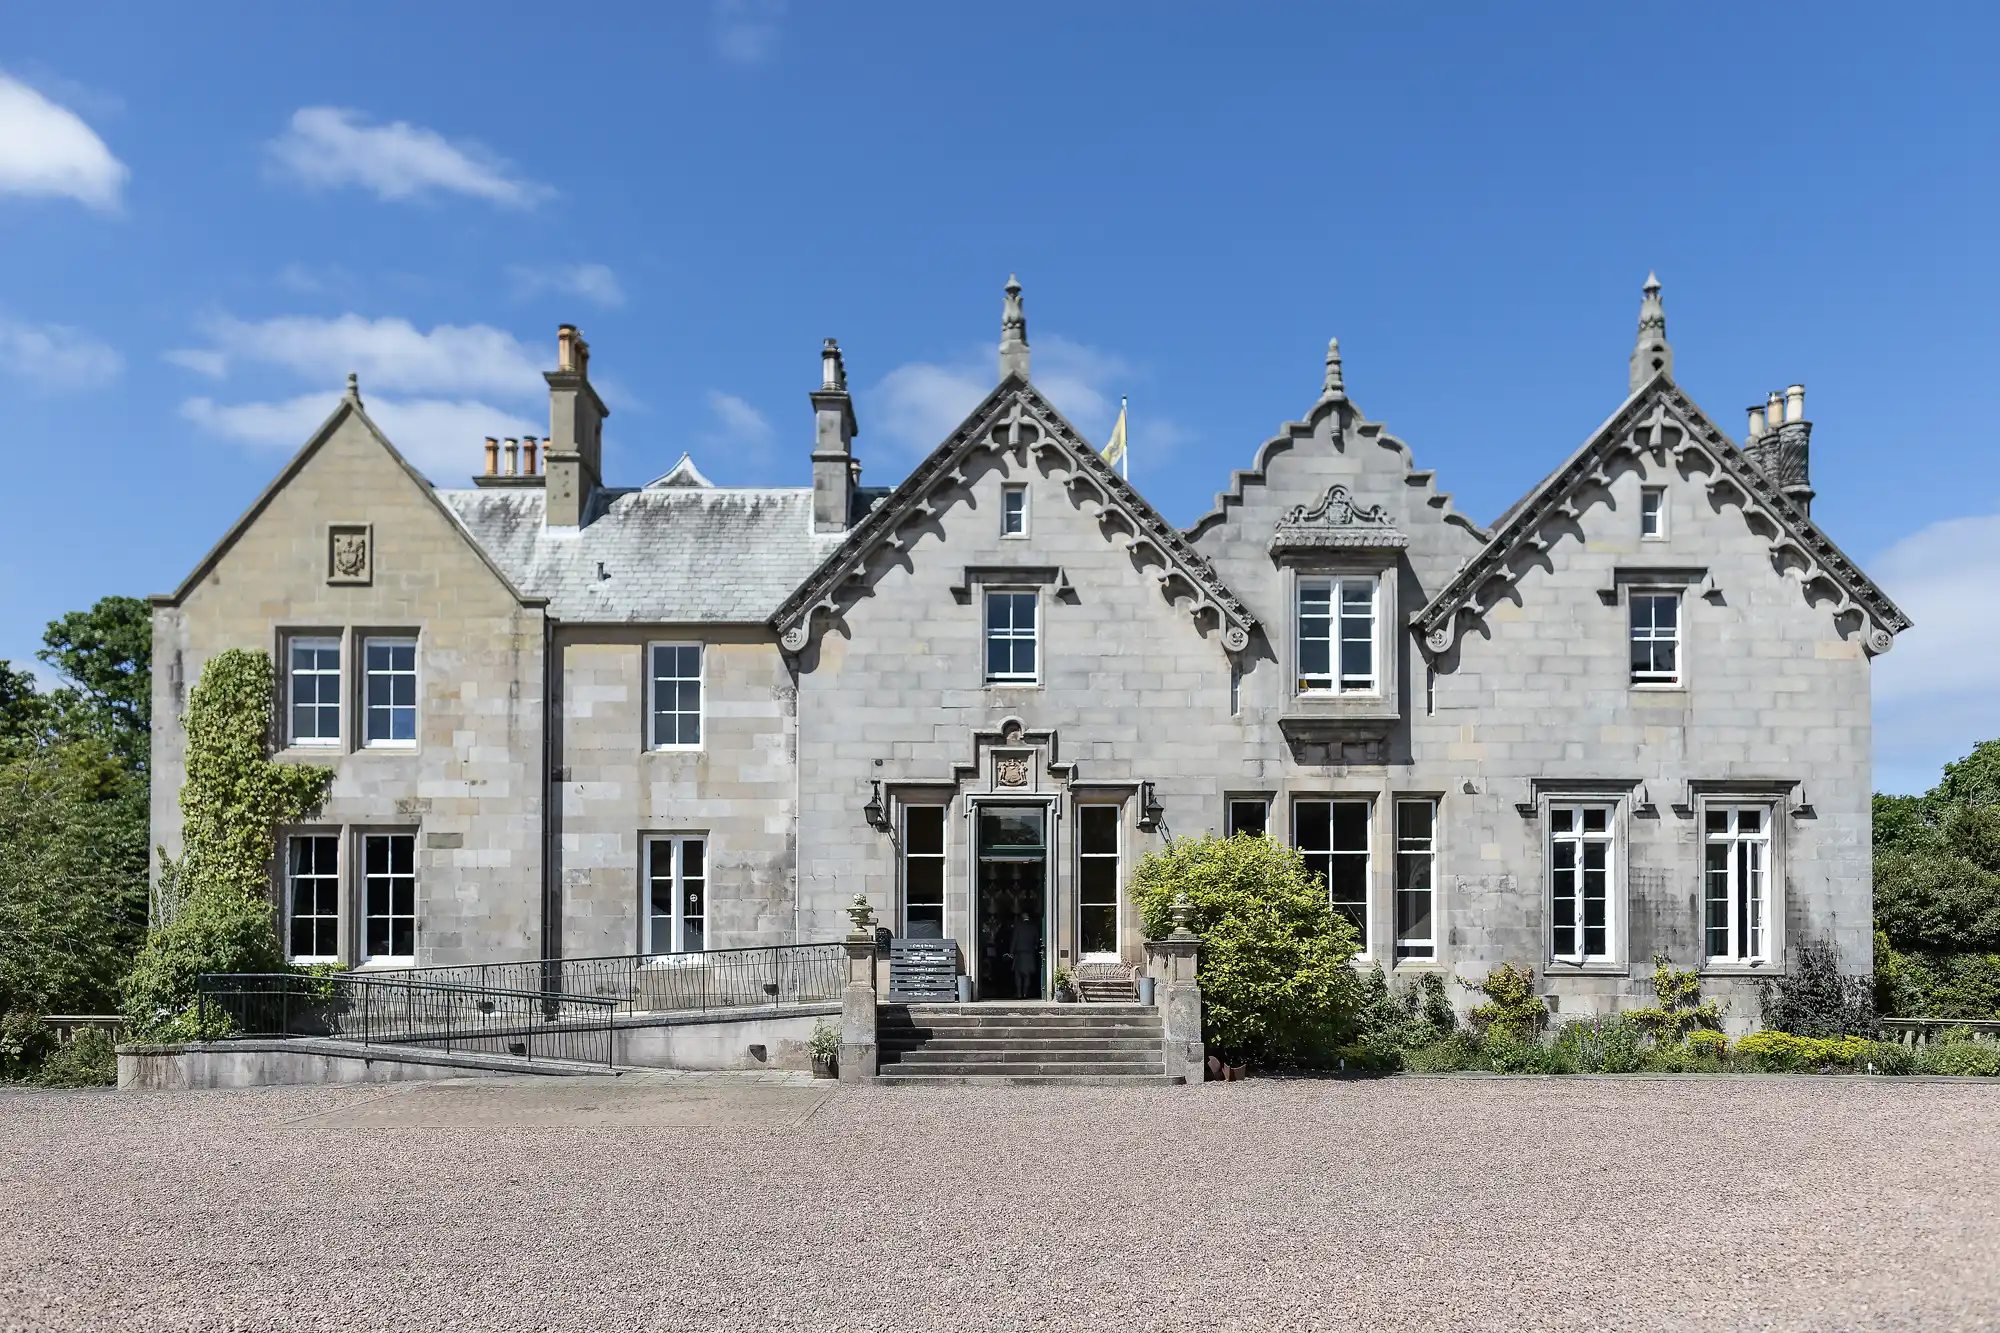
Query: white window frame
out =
(1658, 496)
(1329, 854)
(676, 884)
(1116, 856)
(368, 678)
(1751, 854)
(941, 857)
(1575, 835)
(1652, 678)
(1410, 853)
(1011, 491)
(653, 682)
(1013, 635)
(325, 881)
(317, 642)
(368, 880)
(1229, 824)
(1336, 587)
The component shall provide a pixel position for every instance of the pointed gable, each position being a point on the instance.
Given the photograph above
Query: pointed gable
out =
(1015, 416)
(1659, 418)
(348, 407)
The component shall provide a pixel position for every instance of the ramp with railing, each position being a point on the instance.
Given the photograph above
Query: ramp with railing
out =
(770, 976)
(401, 1012)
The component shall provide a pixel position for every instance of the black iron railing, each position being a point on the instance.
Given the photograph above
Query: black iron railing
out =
(406, 1011)
(769, 977)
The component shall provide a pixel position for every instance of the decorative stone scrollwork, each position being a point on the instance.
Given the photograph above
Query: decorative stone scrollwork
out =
(1879, 640)
(350, 554)
(1439, 639)
(794, 639)
(1337, 509)
(1235, 639)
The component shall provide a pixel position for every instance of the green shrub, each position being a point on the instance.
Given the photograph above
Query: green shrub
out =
(1963, 1057)
(1601, 1045)
(88, 1060)
(1395, 1022)
(1275, 970)
(1680, 1010)
(231, 803)
(1512, 1010)
(1457, 1052)
(24, 1040)
(1785, 1052)
(1816, 999)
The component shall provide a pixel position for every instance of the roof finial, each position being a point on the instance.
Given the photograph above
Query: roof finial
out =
(1652, 355)
(354, 387)
(1334, 390)
(1013, 333)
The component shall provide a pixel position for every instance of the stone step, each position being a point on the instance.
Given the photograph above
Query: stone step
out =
(1009, 1041)
(917, 1064)
(1028, 1080)
(1150, 1021)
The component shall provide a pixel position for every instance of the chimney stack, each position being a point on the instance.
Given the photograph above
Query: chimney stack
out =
(835, 470)
(492, 456)
(573, 459)
(1781, 444)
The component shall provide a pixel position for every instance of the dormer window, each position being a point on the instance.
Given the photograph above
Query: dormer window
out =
(1336, 635)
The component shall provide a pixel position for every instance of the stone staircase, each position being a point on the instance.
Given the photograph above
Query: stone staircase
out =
(997, 1042)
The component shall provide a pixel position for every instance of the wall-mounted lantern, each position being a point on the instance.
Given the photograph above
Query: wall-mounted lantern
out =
(874, 813)
(1150, 809)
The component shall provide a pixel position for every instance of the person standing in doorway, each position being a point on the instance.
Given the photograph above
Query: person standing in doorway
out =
(1027, 966)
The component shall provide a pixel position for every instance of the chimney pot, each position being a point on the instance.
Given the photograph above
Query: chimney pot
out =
(1795, 403)
(513, 455)
(492, 456)
(528, 448)
(1774, 410)
(1757, 421)
(566, 348)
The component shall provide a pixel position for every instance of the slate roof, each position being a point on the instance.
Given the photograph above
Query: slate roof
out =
(669, 554)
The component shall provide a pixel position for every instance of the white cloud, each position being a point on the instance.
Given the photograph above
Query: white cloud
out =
(54, 356)
(330, 146)
(387, 353)
(47, 150)
(915, 406)
(445, 439)
(746, 32)
(1934, 691)
(591, 282)
(742, 422)
(201, 360)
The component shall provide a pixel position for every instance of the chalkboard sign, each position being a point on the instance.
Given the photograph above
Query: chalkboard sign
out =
(922, 970)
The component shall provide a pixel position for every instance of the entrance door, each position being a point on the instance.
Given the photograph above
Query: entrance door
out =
(1013, 900)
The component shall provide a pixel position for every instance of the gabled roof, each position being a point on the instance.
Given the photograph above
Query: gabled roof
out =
(350, 405)
(666, 554)
(1015, 415)
(1659, 416)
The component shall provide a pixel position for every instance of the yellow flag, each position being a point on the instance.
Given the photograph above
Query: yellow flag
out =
(1114, 452)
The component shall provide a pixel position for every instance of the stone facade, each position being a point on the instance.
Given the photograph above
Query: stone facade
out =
(1481, 724)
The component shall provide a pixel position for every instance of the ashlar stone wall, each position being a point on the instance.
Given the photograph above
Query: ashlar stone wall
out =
(471, 788)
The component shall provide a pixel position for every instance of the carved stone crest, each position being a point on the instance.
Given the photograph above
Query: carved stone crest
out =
(1012, 771)
(350, 554)
(1336, 522)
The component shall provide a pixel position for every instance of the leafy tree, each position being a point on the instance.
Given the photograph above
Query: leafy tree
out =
(24, 713)
(1276, 977)
(232, 801)
(72, 878)
(106, 653)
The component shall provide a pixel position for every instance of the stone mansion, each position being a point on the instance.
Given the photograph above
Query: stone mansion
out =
(571, 718)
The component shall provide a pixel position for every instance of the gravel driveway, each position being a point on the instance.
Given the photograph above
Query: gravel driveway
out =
(706, 1203)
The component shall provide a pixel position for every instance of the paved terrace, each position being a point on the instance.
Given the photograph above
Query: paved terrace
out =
(688, 1202)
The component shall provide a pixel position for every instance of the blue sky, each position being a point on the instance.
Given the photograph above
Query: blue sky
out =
(210, 215)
